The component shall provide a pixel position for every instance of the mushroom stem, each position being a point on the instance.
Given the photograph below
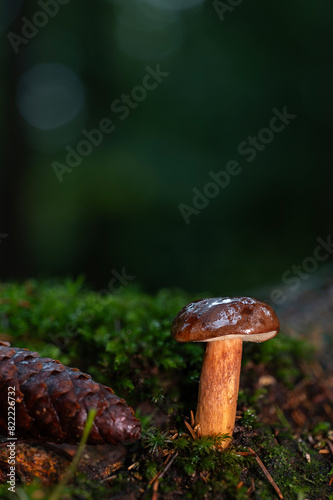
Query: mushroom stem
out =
(218, 388)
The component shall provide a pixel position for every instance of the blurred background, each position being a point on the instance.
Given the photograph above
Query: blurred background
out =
(185, 84)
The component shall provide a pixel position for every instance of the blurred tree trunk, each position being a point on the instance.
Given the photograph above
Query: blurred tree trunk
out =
(13, 160)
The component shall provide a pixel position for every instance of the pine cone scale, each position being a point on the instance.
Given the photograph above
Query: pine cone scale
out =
(53, 401)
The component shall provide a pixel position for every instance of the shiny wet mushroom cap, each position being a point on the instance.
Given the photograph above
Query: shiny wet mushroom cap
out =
(230, 317)
(224, 323)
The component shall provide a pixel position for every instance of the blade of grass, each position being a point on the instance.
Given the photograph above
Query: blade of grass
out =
(282, 418)
(56, 494)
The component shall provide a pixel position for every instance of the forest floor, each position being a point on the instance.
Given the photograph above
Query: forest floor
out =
(282, 445)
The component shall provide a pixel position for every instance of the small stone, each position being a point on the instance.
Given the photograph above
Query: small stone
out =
(266, 380)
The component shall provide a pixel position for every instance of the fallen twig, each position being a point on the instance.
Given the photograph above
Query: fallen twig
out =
(168, 463)
(330, 445)
(190, 429)
(267, 474)
(192, 419)
(252, 488)
(156, 479)
(252, 453)
(155, 488)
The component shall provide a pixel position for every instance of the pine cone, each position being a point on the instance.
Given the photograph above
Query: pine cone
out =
(53, 400)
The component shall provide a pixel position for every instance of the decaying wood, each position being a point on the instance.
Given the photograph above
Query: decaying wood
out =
(33, 461)
(49, 464)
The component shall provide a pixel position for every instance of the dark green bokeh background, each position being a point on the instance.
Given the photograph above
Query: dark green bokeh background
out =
(119, 207)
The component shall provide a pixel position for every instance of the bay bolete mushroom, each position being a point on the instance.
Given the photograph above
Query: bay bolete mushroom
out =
(224, 323)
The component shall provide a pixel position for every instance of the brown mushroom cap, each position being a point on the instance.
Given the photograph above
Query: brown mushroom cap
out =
(220, 318)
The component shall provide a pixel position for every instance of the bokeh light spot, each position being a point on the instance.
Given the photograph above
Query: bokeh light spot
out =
(147, 33)
(50, 95)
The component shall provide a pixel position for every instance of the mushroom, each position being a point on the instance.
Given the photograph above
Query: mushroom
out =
(224, 323)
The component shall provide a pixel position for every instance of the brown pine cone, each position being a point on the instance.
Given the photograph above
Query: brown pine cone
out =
(53, 400)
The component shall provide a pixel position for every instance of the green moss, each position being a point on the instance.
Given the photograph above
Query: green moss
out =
(155, 440)
(249, 418)
(295, 466)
